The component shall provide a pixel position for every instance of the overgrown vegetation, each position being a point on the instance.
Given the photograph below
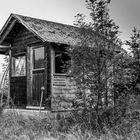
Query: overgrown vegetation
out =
(15, 125)
(107, 76)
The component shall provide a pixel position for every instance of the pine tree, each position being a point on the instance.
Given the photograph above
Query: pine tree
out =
(134, 65)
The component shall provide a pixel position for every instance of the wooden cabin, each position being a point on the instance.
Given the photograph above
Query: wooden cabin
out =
(36, 50)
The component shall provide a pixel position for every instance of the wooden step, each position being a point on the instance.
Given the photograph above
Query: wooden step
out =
(35, 107)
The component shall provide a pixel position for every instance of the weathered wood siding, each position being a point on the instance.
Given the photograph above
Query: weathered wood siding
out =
(23, 38)
(62, 87)
(63, 92)
(19, 85)
(57, 87)
(37, 82)
(18, 90)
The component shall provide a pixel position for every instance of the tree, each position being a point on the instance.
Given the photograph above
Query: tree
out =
(92, 65)
(134, 65)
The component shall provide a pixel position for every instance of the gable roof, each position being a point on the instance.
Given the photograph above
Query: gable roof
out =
(47, 30)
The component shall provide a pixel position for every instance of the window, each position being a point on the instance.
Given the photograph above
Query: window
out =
(61, 62)
(38, 58)
(18, 66)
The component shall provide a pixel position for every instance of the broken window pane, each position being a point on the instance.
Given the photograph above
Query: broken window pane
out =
(38, 58)
(18, 66)
(61, 61)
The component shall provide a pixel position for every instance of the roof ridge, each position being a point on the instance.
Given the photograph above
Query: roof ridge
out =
(44, 20)
(68, 25)
(51, 31)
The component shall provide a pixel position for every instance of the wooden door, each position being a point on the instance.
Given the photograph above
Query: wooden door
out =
(37, 71)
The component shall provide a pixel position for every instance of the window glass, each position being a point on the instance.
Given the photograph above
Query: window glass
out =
(38, 58)
(18, 66)
(61, 61)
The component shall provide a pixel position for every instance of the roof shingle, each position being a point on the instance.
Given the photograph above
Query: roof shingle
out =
(51, 31)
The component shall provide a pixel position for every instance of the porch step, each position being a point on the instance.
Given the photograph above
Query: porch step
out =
(35, 107)
(27, 112)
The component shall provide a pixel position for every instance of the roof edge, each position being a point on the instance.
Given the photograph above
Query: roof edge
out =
(6, 23)
(15, 16)
(24, 24)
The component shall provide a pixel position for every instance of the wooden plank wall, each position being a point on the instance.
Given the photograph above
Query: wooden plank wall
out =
(18, 90)
(23, 38)
(62, 88)
(63, 92)
(38, 81)
(19, 86)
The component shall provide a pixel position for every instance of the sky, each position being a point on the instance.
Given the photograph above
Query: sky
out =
(125, 13)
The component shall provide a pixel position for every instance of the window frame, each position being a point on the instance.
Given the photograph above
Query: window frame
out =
(18, 55)
(54, 66)
(33, 48)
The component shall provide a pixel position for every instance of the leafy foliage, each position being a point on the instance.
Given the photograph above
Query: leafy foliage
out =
(134, 64)
(94, 61)
(107, 80)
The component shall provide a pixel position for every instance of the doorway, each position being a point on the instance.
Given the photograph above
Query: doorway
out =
(37, 72)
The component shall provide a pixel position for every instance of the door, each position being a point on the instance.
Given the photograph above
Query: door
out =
(37, 71)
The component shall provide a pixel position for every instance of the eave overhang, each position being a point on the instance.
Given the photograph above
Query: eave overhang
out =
(4, 49)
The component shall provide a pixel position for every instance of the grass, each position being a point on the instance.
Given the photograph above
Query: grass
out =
(16, 126)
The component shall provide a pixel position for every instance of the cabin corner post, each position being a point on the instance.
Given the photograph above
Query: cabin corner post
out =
(29, 77)
(9, 66)
(48, 77)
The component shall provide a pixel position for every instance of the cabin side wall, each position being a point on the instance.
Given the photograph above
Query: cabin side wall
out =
(19, 85)
(63, 88)
(56, 85)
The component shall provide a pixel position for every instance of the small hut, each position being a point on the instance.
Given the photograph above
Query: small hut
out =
(36, 50)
